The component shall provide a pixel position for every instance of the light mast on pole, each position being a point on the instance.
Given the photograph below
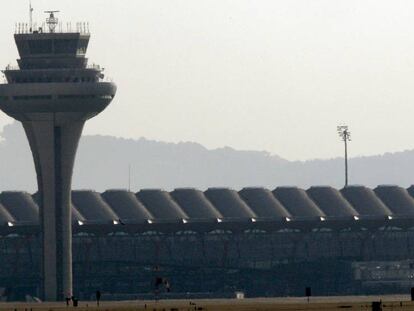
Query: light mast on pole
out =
(345, 136)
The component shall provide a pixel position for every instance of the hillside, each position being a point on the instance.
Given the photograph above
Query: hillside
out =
(103, 161)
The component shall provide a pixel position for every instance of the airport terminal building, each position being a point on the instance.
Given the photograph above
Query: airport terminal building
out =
(261, 242)
(200, 243)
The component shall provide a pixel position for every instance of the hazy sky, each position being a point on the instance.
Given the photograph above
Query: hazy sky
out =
(262, 75)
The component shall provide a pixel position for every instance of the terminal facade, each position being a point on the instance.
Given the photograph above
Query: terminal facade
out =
(213, 243)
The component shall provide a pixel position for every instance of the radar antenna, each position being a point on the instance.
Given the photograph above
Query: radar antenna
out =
(52, 21)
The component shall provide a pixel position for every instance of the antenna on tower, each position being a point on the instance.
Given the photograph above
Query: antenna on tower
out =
(52, 21)
(31, 15)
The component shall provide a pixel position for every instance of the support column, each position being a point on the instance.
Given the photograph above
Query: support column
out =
(54, 146)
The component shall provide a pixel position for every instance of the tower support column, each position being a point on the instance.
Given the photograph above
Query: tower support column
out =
(53, 144)
(53, 93)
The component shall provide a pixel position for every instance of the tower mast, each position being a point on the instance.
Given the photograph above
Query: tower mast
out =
(31, 16)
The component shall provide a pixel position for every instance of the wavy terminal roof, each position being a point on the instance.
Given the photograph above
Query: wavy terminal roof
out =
(222, 205)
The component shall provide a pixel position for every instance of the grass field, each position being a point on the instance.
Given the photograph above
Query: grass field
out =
(288, 304)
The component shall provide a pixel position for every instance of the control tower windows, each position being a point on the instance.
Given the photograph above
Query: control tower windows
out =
(66, 46)
(54, 46)
(32, 97)
(41, 46)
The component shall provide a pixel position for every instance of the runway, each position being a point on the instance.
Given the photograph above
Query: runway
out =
(396, 302)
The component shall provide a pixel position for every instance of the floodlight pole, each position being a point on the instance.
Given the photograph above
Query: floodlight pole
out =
(129, 177)
(345, 135)
(346, 162)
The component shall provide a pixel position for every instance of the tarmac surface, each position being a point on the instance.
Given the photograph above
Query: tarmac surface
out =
(397, 302)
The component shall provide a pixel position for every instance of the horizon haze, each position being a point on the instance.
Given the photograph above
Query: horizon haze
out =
(270, 75)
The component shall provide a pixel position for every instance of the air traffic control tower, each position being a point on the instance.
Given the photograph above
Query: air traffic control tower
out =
(53, 92)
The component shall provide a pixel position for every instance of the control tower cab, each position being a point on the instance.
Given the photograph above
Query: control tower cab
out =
(53, 91)
(53, 76)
